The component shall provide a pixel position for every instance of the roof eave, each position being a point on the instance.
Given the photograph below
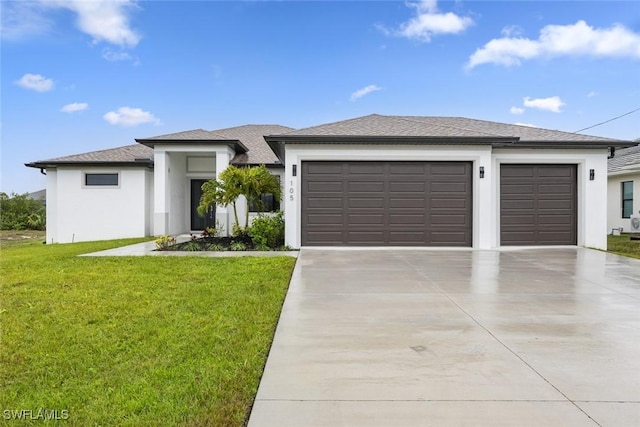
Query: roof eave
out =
(235, 144)
(395, 139)
(53, 164)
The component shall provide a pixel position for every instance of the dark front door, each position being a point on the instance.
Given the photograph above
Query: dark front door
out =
(198, 222)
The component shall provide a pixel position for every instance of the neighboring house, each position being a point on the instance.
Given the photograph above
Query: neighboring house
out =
(40, 195)
(624, 188)
(370, 181)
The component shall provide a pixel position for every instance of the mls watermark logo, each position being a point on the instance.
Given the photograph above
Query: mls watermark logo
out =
(37, 414)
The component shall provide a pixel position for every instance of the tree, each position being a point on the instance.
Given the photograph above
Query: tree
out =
(257, 181)
(234, 182)
(19, 212)
(224, 191)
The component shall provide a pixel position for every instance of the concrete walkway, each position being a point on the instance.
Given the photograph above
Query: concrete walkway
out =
(544, 337)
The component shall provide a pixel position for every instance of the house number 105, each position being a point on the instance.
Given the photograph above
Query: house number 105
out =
(291, 192)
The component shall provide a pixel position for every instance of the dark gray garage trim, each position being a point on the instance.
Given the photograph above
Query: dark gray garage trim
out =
(363, 203)
(538, 204)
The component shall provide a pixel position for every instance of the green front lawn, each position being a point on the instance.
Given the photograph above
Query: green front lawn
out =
(623, 245)
(135, 340)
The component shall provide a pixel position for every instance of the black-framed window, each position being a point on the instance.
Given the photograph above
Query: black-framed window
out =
(627, 199)
(270, 203)
(101, 179)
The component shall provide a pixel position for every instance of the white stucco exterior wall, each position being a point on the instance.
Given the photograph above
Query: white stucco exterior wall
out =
(592, 211)
(614, 204)
(83, 213)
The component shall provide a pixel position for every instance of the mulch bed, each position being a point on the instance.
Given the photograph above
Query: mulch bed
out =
(207, 243)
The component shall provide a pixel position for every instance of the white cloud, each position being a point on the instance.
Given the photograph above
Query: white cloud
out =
(74, 107)
(364, 91)
(127, 116)
(22, 19)
(592, 94)
(429, 22)
(516, 110)
(113, 56)
(104, 20)
(35, 82)
(553, 103)
(578, 39)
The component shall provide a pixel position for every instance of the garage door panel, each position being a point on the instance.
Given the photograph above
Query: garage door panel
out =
(449, 187)
(325, 187)
(538, 204)
(325, 202)
(451, 169)
(525, 204)
(324, 169)
(324, 237)
(452, 203)
(518, 220)
(517, 189)
(404, 168)
(407, 187)
(549, 189)
(366, 187)
(405, 204)
(369, 202)
(325, 219)
(365, 168)
(369, 219)
(555, 204)
(417, 219)
(551, 171)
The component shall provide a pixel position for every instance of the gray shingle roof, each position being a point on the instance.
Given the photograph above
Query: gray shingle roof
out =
(376, 125)
(627, 159)
(252, 136)
(126, 154)
(187, 135)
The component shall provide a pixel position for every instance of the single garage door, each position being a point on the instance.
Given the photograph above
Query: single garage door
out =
(386, 203)
(538, 205)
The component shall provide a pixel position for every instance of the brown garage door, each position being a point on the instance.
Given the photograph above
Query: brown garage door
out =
(386, 204)
(538, 205)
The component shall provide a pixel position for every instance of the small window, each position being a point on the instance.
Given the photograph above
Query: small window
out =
(627, 199)
(101, 179)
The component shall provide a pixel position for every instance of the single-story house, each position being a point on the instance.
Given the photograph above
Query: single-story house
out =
(624, 189)
(375, 180)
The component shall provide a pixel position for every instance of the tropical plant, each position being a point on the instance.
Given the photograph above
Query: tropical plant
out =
(164, 242)
(223, 191)
(257, 181)
(234, 182)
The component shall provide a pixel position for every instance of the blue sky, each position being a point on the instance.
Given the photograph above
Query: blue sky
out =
(79, 76)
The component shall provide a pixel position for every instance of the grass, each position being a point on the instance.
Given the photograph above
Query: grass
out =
(135, 341)
(12, 238)
(623, 245)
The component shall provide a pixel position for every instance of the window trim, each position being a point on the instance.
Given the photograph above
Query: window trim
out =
(624, 201)
(111, 186)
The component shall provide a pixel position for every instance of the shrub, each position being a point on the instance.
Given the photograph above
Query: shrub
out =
(267, 231)
(165, 242)
(238, 246)
(193, 246)
(216, 247)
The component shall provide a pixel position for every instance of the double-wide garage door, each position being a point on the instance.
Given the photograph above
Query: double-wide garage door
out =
(538, 205)
(386, 203)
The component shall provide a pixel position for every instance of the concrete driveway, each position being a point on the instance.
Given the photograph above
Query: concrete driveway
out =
(536, 337)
